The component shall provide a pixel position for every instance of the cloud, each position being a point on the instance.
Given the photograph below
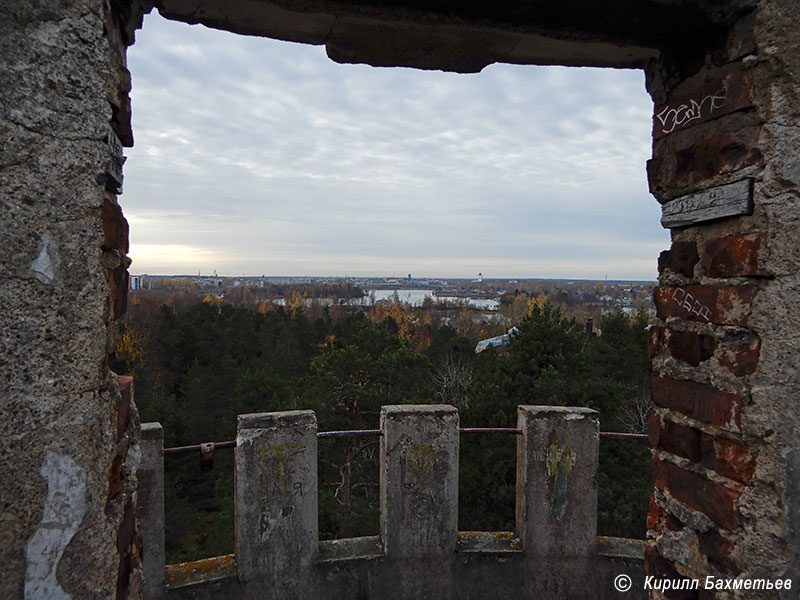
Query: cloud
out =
(269, 158)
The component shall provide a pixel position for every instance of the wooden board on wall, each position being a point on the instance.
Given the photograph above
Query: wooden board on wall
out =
(730, 200)
(115, 162)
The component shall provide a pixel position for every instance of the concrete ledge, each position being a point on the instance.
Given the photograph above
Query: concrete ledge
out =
(291, 418)
(351, 549)
(488, 542)
(620, 547)
(558, 410)
(197, 571)
(398, 410)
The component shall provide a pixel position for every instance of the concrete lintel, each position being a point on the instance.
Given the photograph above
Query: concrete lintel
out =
(534, 49)
(385, 37)
(252, 17)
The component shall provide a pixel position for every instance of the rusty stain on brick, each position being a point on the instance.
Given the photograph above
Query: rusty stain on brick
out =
(741, 359)
(732, 256)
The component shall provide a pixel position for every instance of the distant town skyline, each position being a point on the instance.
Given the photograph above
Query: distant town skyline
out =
(259, 157)
(386, 277)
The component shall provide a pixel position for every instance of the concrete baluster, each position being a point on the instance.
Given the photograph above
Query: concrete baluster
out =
(150, 509)
(557, 457)
(419, 495)
(276, 502)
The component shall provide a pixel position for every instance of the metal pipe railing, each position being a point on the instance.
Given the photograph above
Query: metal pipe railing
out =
(377, 432)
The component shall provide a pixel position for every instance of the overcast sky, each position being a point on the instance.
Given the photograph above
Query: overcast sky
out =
(260, 157)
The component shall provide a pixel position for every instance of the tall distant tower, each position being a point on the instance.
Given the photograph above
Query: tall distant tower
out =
(480, 276)
(409, 277)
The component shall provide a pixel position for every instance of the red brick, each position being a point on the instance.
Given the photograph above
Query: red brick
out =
(732, 256)
(653, 428)
(658, 519)
(712, 499)
(733, 93)
(719, 551)
(691, 347)
(681, 259)
(720, 304)
(118, 282)
(125, 385)
(125, 549)
(704, 160)
(742, 359)
(115, 227)
(698, 401)
(679, 440)
(114, 478)
(728, 458)
(661, 568)
(653, 515)
(655, 340)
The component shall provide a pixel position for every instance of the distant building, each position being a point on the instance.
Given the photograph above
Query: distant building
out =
(498, 342)
(136, 282)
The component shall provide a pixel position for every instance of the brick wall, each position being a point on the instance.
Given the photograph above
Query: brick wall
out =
(720, 505)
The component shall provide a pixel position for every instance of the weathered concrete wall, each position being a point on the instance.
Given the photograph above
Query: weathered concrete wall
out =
(726, 430)
(554, 552)
(67, 435)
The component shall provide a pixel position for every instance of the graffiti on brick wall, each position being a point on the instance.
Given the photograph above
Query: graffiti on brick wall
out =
(688, 302)
(672, 118)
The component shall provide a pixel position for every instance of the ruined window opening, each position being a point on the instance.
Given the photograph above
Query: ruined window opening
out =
(226, 211)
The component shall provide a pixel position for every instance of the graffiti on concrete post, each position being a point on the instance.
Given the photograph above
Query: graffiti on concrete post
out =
(559, 468)
(279, 451)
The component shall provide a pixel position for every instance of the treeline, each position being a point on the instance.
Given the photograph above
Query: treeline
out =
(199, 364)
(230, 286)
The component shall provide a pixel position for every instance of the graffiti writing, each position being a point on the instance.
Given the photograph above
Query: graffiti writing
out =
(673, 118)
(691, 304)
(559, 468)
(279, 451)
